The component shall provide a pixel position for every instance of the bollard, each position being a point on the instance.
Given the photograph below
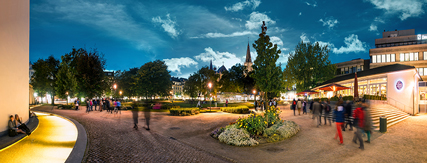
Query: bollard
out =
(383, 124)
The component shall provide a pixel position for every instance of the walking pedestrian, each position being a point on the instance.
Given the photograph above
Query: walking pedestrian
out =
(87, 106)
(101, 105)
(94, 104)
(294, 103)
(119, 105)
(359, 124)
(348, 111)
(327, 111)
(107, 101)
(299, 106)
(311, 108)
(77, 104)
(226, 102)
(255, 105)
(275, 103)
(135, 115)
(304, 107)
(316, 111)
(339, 119)
(147, 115)
(322, 107)
(367, 127)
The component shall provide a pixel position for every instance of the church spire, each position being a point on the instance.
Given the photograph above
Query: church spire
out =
(248, 54)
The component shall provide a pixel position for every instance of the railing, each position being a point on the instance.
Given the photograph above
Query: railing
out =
(400, 106)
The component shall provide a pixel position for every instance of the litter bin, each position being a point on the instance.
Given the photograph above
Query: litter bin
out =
(383, 124)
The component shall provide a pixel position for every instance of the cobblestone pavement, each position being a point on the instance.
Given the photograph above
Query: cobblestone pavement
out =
(112, 139)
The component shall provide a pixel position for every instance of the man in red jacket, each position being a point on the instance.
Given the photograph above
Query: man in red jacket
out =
(358, 117)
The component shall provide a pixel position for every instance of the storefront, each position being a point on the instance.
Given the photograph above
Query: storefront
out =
(398, 83)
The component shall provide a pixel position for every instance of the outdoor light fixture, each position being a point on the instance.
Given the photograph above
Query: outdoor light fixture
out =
(120, 92)
(210, 85)
(35, 94)
(115, 86)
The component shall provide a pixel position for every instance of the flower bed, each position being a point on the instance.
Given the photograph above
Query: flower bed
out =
(238, 109)
(250, 130)
(184, 111)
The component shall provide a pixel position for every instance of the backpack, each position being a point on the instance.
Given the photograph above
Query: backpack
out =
(12, 133)
(294, 103)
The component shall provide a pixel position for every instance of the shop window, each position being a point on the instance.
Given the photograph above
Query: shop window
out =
(374, 58)
(402, 57)
(393, 57)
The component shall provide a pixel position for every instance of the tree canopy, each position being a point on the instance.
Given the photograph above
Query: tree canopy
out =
(153, 79)
(45, 76)
(66, 79)
(308, 66)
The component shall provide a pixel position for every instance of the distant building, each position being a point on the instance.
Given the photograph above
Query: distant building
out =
(248, 62)
(352, 66)
(402, 47)
(178, 85)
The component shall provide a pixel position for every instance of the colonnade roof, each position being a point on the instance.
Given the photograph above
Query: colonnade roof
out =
(365, 73)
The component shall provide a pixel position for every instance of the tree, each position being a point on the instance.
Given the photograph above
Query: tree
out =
(66, 82)
(153, 79)
(208, 76)
(267, 75)
(89, 67)
(44, 78)
(235, 80)
(191, 87)
(311, 60)
(127, 82)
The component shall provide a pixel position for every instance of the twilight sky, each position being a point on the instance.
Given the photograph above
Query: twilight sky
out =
(187, 34)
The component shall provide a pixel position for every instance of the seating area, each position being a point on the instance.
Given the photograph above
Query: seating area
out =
(6, 140)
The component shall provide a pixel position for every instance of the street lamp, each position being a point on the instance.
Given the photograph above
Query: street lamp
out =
(67, 97)
(115, 88)
(210, 86)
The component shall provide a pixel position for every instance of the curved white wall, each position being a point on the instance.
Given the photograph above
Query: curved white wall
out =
(14, 59)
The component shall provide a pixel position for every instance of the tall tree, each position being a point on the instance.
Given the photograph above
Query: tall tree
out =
(89, 67)
(153, 79)
(66, 79)
(127, 82)
(191, 87)
(308, 66)
(235, 80)
(267, 75)
(44, 78)
(206, 76)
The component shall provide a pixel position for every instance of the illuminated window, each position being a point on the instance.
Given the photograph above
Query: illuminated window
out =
(374, 58)
(411, 56)
(393, 57)
(402, 57)
(383, 58)
(407, 57)
(420, 71)
(416, 56)
(425, 71)
(378, 58)
(425, 55)
(388, 57)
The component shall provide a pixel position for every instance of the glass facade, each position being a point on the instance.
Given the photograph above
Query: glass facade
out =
(376, 87)
(408, 56)
(384, 58)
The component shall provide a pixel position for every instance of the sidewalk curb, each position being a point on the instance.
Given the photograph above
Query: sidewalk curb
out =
(80, 148)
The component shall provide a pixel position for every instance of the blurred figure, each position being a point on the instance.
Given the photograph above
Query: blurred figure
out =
(339, 120)
(226, 102)
(358, 116)
(299, 106)
(322, 107)
(311, 108)
(147, 115)
(255, 105)
(316, 111)
(119, 106)
(368, 121)
(327, 111)
(304, 107)
(294, 103)
(77, 104)
(348, 111)
(135, 115)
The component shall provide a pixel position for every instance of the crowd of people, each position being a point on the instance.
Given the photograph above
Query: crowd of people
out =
(111, 105)
(260, 104)
(343, 115)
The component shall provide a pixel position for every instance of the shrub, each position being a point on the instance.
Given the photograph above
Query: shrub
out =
(254, 124)
(324, 99)
(335, 98)
(184, 111)
(345, 98)
(237, 137)
(271, 115)
(237, 109)
(65, 106)
(280, 131)
(217, 132)
(373, 97)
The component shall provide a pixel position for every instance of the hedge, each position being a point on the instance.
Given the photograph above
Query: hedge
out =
(65, 106)
(237, 109)
(373, 97)
(184, 111)
(345, 98)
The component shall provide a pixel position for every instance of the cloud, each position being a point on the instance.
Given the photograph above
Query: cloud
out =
(312, 4)
(175, 64)
(304, 38)
(241, 5)
(218, 58)
(276, 40)
(255, 20)
(373, 27)
(238, 19)
(113, 19)
(219, 35)
(403, 8)
(168, 25)
(330, 22)
(353, 44)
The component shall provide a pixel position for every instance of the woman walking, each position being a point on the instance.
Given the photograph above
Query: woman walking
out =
(339, 120)
(304, 107)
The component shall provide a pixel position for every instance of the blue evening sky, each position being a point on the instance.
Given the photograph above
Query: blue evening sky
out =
(187, 34)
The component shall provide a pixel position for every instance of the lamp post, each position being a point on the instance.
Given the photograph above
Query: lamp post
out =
(67, 97)
(115, 88)
(210, 86)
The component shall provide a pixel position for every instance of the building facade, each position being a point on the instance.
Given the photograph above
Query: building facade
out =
(352, 66)
(402, 47)
(248, 61)
(178, 86)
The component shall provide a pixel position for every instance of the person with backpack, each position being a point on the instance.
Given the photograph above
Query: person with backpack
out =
(348, 111)
(359, 117)
(327, 111)
(294, 103)
(299, 106)
(339, 120)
